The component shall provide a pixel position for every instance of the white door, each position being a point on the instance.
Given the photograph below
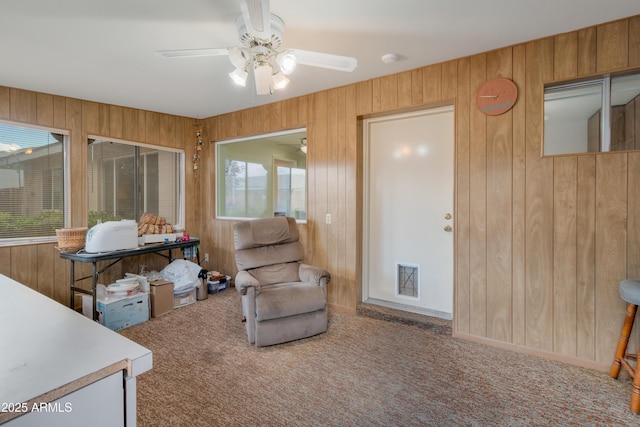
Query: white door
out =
(408, 211)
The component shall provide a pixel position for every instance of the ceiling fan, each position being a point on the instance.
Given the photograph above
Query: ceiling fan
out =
(261, 34)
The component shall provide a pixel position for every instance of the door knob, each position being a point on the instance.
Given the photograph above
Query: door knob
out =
(447, 216)
(447, 228)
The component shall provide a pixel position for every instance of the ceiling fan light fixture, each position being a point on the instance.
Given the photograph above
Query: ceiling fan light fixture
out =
(237, 57)
(239, 76)
(287, 62)
(262, 74)
(280, 81)
(261, 34)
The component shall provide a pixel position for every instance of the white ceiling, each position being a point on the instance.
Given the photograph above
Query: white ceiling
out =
(103, 50)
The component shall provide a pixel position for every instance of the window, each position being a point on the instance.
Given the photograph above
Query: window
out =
(262, 176)
(592, 116)
(32, 183)
(290, 194)
(126, 180)
(245, 189)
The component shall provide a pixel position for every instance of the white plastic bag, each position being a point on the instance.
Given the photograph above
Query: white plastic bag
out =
(183, 274)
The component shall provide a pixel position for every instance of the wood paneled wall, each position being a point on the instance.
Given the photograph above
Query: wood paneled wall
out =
(40, 266)
(332, 183)
(540, 243)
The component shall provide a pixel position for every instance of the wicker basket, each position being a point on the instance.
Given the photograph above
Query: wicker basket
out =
(71, 239)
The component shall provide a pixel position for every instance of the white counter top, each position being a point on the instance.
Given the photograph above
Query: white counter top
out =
(48, 350)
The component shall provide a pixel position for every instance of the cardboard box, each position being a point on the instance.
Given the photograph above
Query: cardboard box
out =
(86, 306)
(184, 297)
(161, 296)
(121, 313)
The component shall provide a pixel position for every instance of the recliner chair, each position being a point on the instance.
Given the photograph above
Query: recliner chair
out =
(283, 299)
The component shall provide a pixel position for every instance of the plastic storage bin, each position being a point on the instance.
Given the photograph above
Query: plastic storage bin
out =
(184, 297)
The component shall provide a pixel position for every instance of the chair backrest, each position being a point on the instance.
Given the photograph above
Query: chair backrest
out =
(266, 241)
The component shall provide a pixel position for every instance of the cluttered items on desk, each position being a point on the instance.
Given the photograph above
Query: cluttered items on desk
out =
(112, 236)
(155, 229)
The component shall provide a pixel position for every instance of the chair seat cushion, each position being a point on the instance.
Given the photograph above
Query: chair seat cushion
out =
(288, 299)
(630, 291)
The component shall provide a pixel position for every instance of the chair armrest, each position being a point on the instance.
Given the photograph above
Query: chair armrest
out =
(314, 275)
(244, 280)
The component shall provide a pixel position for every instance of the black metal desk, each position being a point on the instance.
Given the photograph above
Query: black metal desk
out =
(117, 256)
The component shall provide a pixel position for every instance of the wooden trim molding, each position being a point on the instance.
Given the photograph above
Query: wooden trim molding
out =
(571, 360)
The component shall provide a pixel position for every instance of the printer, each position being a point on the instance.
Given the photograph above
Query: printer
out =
(112, 236)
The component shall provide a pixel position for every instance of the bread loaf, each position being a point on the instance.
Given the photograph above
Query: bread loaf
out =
(154, 224)
(146, 218)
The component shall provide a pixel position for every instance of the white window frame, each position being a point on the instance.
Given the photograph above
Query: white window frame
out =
(249, 138)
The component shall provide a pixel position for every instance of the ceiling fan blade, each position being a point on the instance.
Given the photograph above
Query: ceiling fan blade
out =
(191, 53)
(325, 60)
(257, 17)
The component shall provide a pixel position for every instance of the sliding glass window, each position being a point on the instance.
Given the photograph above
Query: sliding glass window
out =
(126, 180)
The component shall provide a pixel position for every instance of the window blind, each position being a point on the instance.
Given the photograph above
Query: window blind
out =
(32, 175)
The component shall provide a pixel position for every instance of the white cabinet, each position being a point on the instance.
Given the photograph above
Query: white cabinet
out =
(76, 371)
(100, 404)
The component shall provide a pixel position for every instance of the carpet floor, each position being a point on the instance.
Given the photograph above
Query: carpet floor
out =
(364, 371)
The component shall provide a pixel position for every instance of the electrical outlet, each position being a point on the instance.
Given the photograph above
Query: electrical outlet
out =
(328, 218)
(206, 256)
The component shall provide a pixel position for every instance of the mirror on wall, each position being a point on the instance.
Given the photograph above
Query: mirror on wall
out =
(597, 115)
(262, 176)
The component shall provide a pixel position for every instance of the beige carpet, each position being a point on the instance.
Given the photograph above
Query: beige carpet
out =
(364, 371)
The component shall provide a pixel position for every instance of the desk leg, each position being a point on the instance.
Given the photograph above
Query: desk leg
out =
(72, 279)
(94, 282)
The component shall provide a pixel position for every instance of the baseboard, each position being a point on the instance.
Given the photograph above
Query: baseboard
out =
(409, 308)
(571, 360)
(341, 308)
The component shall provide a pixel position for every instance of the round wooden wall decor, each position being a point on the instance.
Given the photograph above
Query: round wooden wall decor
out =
(496, 96)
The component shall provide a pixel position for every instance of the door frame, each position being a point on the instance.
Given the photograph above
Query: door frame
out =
(364, 270)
